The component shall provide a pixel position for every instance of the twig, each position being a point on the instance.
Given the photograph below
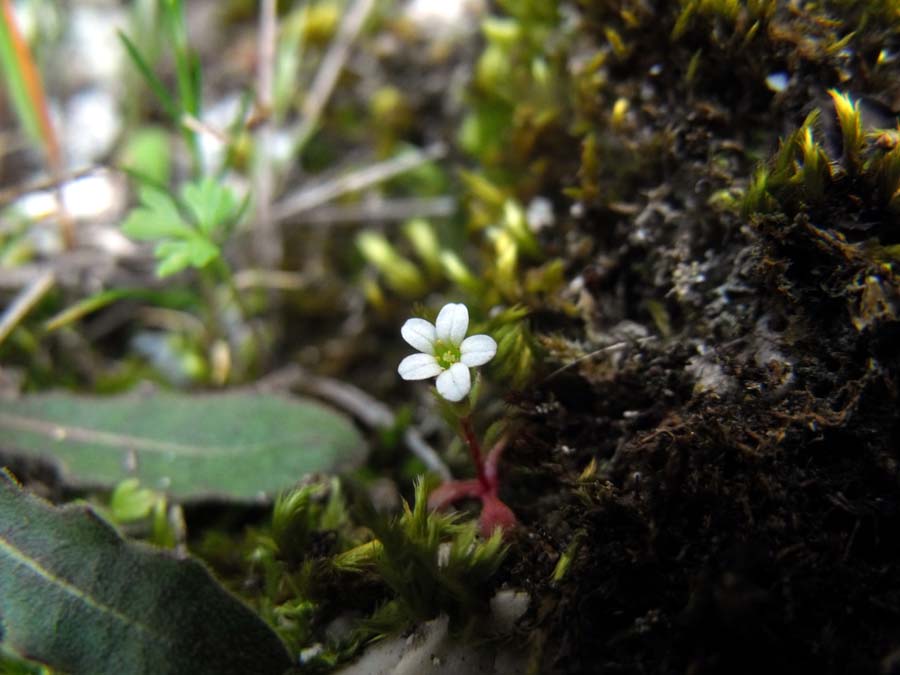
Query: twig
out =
(330, 68)
(198, 126)
(364, 407)
(317, 195)
(271, 279)
(73, 267)
(66, 222)
(25, 301)
(610, 348)
(267, 244)
(381, 210)
(15, 278)
(426, 453)
(265, 66)
(11, 194)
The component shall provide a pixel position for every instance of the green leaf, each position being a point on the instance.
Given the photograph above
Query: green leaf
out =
(172, 259)
(158, 218)
(175, 256)
(129, 501)
(242, 446)
(181, 245)
(212, 205)
(76, 596)
(147, 152)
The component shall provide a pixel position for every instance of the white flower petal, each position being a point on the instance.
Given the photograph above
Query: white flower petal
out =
(477, 350)
(452, 322)
(419, 334)
(419, 367)
(455, 382)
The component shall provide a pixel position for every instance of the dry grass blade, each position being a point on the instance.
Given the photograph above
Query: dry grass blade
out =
(317, 195)
(382, 210)
(332, 65)
(361, 405)
(268, 243)
(30, 296)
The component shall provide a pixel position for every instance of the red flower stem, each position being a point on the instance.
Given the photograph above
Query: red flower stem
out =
(468, 434)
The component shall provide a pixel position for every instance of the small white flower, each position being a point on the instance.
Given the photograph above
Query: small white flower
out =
(444, 352)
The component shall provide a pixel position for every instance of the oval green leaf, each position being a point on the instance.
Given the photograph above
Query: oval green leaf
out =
(241, 446)
(76, 596)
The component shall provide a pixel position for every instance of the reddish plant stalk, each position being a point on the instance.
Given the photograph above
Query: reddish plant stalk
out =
(475, 451)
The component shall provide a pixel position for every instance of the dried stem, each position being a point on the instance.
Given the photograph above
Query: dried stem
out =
(316, 195)
(331, 67)
(362, 405)
(268, 245)
(30, 296)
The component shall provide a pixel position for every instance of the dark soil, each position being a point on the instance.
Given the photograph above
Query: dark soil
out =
(744, 512)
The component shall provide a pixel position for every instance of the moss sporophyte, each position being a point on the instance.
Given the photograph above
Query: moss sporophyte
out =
(446, 352)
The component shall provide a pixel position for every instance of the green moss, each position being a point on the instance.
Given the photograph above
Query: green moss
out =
(432, 563)
(803, 175)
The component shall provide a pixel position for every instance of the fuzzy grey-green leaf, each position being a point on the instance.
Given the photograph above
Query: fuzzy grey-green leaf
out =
(76, 596)
(241, 446)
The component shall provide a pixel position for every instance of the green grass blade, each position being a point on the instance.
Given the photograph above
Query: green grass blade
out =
(23, 83)
(159, 90)
(84, 307)
(187, 72)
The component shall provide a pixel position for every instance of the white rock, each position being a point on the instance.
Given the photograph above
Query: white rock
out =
(91, 125)
(429, 650)
(444, 18)
(93, 51)
(507, 607)
(96, 196)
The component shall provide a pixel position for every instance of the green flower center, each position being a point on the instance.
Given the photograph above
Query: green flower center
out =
(446, 353)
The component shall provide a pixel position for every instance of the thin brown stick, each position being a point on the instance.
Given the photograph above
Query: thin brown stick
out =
(610, 348)
(380, 210)
(317, 195)
(11, 194)
(265, 66)
(26, 300)
(361, 405)
(330, 69)
(267, 244)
